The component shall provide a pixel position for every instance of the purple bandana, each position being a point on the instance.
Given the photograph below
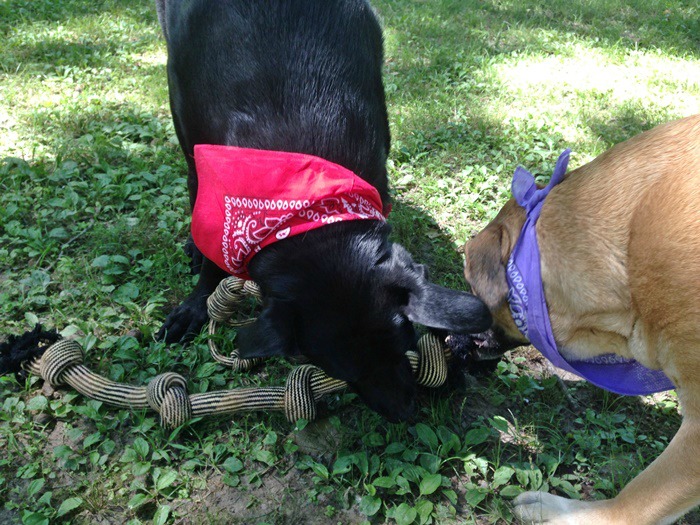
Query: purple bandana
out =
(529, 307)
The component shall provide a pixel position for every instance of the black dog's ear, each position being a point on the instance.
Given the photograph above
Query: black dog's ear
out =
(432, 305)
(438, 307)
(271, 334)
(422, 270)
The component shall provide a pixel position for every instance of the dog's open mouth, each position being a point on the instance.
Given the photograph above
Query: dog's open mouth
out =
(470, 348)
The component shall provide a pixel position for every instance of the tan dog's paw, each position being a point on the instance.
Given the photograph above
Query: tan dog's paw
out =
(541, 507)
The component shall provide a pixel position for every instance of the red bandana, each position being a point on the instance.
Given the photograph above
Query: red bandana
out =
(249, 198)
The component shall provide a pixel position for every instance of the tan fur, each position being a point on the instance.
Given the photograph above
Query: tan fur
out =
(620, 246)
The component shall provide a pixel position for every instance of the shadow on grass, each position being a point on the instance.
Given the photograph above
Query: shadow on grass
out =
(54, 54)
(418, 232)
(504, 27)
(595, 438)
(646, 24)
(102, 132)
(623, 121)
(446, 48)
(14, 13)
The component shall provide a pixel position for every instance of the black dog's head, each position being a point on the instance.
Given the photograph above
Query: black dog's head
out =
(345, 297)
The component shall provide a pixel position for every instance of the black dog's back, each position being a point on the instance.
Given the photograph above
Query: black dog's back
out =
(306, 78)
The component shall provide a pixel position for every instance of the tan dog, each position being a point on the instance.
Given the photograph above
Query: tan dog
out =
(620, 258)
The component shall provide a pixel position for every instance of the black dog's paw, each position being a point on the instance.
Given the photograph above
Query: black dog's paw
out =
(184, 322)
(196, 257)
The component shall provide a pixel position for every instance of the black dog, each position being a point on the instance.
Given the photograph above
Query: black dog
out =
(305, 76)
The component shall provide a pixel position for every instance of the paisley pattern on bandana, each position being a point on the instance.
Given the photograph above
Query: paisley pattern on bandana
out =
(244, 229)
(517, 297)
(249, 222)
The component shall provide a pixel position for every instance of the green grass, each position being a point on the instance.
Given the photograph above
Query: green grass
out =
(92, 218)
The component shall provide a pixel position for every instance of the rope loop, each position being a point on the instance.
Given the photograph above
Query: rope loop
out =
(236, 363)
(58, 358)
(252, 288)
(221, 305)
(299, 401)
(432, 366)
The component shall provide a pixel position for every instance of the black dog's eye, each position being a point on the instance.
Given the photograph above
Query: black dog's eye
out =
(383, 258)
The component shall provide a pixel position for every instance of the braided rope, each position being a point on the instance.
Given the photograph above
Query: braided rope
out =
(62, 363)
(221, 306)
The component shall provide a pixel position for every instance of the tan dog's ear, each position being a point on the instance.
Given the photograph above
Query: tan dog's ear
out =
(485, 265)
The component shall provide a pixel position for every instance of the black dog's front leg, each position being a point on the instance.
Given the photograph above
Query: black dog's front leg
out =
(196, 257)
(186, 320)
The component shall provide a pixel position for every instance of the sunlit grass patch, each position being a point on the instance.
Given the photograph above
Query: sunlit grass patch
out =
(591, 91)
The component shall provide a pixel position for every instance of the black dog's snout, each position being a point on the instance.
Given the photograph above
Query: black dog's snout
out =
(479, 315)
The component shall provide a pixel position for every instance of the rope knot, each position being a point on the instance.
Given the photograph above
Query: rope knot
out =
(167, 395)
(299, 401)
(58, 358)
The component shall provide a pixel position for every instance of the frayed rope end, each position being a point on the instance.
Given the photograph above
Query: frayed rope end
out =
(19, 349)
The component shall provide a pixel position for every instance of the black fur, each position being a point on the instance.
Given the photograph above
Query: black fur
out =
(305, 76)
(19, 349)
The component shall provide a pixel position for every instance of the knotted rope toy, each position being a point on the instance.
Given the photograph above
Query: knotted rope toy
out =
(62, 363)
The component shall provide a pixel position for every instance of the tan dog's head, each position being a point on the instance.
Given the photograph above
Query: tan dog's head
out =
(486, 257)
